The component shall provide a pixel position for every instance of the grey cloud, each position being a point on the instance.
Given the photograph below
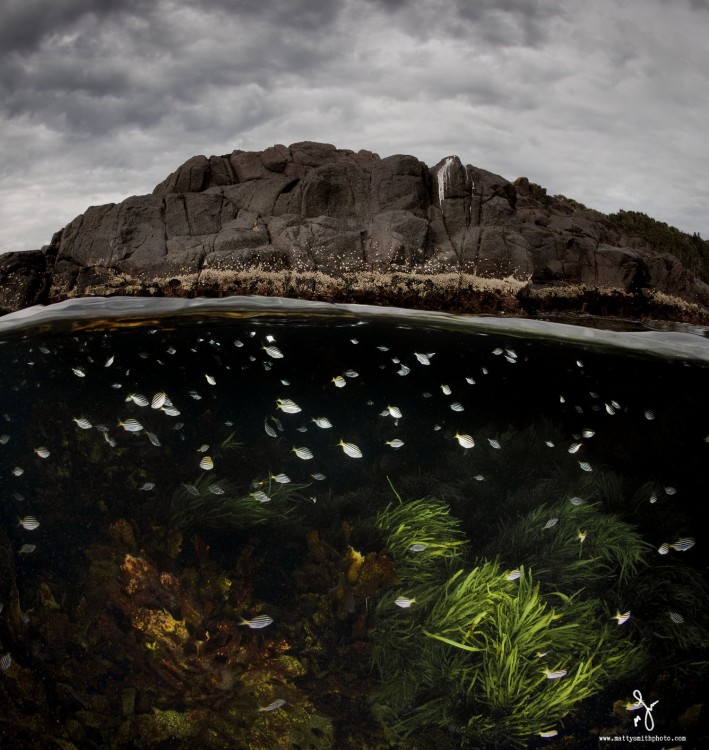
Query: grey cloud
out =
(505, 23)
(24, 24)
(119, 70)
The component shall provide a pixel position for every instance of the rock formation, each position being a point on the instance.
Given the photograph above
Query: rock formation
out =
(314, 220)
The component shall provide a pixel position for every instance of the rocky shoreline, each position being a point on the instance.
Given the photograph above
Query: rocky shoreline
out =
(314, 222)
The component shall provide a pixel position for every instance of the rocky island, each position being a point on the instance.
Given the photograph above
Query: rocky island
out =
(313, 221)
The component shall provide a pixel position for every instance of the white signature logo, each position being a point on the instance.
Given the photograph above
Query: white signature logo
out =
(640, 703)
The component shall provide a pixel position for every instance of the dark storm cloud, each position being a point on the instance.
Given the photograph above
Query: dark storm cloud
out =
(100, 99)
(99, 67)
(24, 24)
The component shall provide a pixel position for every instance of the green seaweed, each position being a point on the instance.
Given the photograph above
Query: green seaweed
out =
(201, 508)
(478, 651)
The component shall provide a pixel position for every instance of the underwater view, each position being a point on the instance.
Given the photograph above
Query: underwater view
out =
(260, 523)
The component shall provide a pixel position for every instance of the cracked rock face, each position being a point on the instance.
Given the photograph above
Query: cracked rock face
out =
(313, 208)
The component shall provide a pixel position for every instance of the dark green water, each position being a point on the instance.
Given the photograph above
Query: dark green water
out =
(539, 498)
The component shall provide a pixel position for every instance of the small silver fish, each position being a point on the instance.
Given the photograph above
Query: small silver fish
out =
(664, 548)
(457, 406)
(403, 370)
(610, 409)
(404, 602)
(262, 621)
(278, 703)
(549, 443)
(158, 400)
(170, 411)
(147, 486)
(585, 466)
(210, 379)
(494, 443)
(581, 536)
(649, 415)
(18, 471)
(418, 547)
(548, 733)
(5, 662)
(395, 443)
(479, 478)
(137, 398)
(513, 575)
(27, 549)
(261, 496)
(195, 395)
(191, 489)
(280, 478)
(471, 381)
(394, 411)
(318, 476)
(203, 448)
(497, 351)
(683, 544)
(424, 359)
(587, 433)
(466, 441)
(676, 617)
(621, 617)
(551, 522)
(574, 447)
(287, 405)
(273, 351)
(153, 439)
(339, 381)
(83, 423)
(206, 463)
(215, 489)
(5, 439)
(131, 425)
(29, 522)
(354, 341)
(670, 491)
(351, 374)
(323, 422)
(350, 449)
(305, 453)
(79, 372)
(554, 674)
(446, 390)
(577, 501)
(42, 452)
(269, 430)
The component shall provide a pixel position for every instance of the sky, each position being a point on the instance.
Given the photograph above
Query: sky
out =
(602, 101)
